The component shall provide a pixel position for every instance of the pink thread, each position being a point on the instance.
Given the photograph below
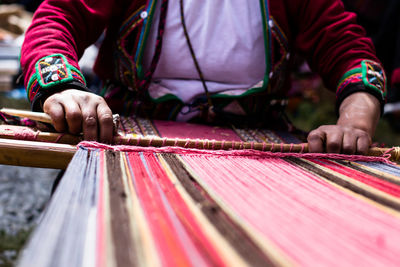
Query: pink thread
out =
(151, 140)
(233, 144)
(24, 133)
(252, 145)
(272, 147)
(196, 144)
(176, 142)
(240, 153)
(138, 140)
(291, 147)
(59, 137)
(28, 122)
(36, 135)
(382, 185)
(281, 147)
(160, 199)
(223, 144)
(302, 148)
(213, 144)
(187, 143)
(330, 217)
(263, 146)
(164, 140)
(387, 154)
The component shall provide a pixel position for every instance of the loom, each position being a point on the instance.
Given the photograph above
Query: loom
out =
(177, 194)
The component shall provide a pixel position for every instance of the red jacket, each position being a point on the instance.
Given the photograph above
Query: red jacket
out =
(320, 30)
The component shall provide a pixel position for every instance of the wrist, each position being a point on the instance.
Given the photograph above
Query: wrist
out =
(360, 110)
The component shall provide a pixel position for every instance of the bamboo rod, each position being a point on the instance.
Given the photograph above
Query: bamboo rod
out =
(235, 145)
(36, 116)
(30, 134)
(25, 133)
(35, 154)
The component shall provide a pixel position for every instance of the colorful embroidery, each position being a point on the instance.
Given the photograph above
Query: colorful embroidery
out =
(50, 71)
(370, 73)
(373, 76)
(354, 78)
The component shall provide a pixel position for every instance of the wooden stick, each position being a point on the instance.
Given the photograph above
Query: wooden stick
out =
(235, 145)
(29, 134)
(35, 154)
(43, 117)
(8, 132)
(25, 133)
(36, 116)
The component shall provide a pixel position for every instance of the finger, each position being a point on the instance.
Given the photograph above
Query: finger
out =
(90, 124)
(56, 111)
(316, 141)
(334, 141)
(349, 145)
(106, 125)
(363, 144)
(73, 115)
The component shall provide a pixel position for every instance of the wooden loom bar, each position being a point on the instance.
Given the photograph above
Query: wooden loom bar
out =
(35, 154)
(159, 142)
(24, 133)
(36, 116)
(235, 145)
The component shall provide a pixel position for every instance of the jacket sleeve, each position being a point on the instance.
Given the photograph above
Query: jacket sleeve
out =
(337, 48)
(60, 32)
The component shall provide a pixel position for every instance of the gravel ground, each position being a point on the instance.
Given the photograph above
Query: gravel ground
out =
(24, 193)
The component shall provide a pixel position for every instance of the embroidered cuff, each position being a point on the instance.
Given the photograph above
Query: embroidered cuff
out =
(51, 72)
(368, 77)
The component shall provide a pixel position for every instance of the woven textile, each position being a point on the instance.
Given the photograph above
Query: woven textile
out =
(183, 207)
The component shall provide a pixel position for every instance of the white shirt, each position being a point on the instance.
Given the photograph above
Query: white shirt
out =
(227, 38)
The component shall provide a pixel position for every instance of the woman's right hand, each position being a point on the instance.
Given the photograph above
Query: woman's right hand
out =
(76, 111)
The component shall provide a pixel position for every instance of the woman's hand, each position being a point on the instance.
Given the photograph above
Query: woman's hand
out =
(352, 134)
(76, 111)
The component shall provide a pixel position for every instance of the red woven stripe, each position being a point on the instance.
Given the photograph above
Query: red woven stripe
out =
(382, 185)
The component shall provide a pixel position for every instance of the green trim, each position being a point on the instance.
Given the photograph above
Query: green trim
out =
(364, 75)
(103, 91)
(250, 91)
(266, 30)
(33, 77)
(166, 97)
(363, 71)
(31, 80)
(365, 79)
(349, 73)
(53, 83)
(139, 65)
(79, 72)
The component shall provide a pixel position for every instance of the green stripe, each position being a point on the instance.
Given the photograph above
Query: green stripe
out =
(266, 30)
(142, 45)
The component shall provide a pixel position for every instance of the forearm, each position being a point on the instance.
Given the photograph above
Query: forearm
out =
(361, 111)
